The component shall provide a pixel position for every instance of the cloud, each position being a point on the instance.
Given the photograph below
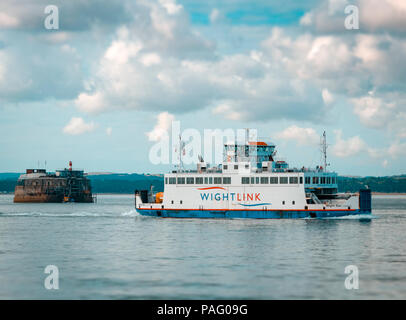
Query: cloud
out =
(77, 126)
(171, 6)
(75, 15)
(7, 21)
(373, 112)
(385, 113)
(150, 59)
(155, 60)
(374, 15)
(397, 149)
(215, 15)
(302, 136)
(227, 112)
(347, 148)
(353, 146)
(128, 78)
(164, 122)
(383, 15)
(327, 96)
(109, 131)
(307, 19)
(91, 102)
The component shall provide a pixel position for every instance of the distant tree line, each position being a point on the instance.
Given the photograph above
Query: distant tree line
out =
(112, 183)
(393, 184)
(125, 183)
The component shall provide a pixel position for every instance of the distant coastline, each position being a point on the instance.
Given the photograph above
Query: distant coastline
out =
(124, 183)
(389, 194)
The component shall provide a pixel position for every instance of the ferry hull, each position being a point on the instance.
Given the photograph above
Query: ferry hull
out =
(251, 214)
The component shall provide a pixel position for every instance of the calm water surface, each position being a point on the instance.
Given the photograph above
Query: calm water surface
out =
(107, 251)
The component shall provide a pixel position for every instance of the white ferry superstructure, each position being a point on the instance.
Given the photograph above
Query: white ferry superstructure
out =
(250, 184)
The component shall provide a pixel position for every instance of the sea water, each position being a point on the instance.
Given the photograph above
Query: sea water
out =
(106, 250)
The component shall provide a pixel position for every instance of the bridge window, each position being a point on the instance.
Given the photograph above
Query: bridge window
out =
(293, 180)
(225, 167)
(301, 180)
(247, 166)
(245, 180)
(181, 180)
(329, 180)
(166, 180)
(199, 180)
(172, 180)
(257, 180)
(236, 167)
(190, 180)
(206, 180)
(264, 180)
(252, 180)
(273, 180)
(307, 180)
(315, 180)
(333, 180)
(283, 180)
(210, 180)
(217, 180)
(226, 180)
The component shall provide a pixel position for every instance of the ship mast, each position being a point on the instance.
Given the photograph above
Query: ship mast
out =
(323, 146)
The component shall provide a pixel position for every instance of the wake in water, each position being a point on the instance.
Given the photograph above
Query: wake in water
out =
(351, 217)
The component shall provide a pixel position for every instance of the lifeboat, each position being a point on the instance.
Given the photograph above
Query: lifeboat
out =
(159, 197)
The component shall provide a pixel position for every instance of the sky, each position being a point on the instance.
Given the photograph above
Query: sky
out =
(103, 87)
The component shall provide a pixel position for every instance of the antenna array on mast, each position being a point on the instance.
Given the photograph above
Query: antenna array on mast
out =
(324, 146)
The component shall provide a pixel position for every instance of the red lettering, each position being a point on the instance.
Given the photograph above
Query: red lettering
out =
(257, 197)
(250, 196)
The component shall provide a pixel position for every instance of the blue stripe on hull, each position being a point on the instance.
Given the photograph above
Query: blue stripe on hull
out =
(249, 214)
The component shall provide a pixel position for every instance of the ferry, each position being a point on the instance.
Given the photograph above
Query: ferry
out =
(250, 183)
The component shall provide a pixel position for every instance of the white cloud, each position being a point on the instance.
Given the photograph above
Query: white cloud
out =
(214, 15)
(120, 51)
(187, 84)
(150, 59)
(373, 112)
(227, 112)
(354, 146)
(77, 126)
(58, 37)
(171, 6)
(347, 148)
(7, 21)
(91, 103)
(307, 19)
(302, 136)
(383, 14)
(374, 15)
(109, 131)
(162, 127)
(327, 96)
(397, 149)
